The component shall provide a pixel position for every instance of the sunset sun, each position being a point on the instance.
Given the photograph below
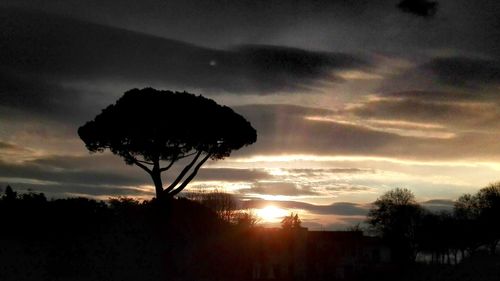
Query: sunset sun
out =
(271, 213)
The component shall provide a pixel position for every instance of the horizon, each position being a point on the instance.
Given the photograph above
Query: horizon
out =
(349, 99)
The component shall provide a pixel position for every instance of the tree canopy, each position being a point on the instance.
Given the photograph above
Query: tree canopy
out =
(154, 129)
(479, 214)
(395, 216)
(291, 222)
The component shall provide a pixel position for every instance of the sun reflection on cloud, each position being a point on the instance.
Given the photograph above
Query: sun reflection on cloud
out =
(401, 128)
(347, 158)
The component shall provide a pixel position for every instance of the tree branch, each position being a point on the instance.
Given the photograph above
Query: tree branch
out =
(191, 176)
(145, 162)
(175, 159)
(169, 165)
(183, 173)
(187, 155)
(138, 163)
(144, 167)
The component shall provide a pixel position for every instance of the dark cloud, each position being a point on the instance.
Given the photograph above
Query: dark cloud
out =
(340, 25)
(280, 126)
(438, 205)
(33, 94)
(7, 146)
(76, 173)
(65, 190)
(71, 162)
(429, 109)
(465, 71)
(421, 8)
(45, 58)
(210, 23)
(111, 162)
(272, 65)
(338, 208)
(87, 177)
(446, 78)
(437, 96)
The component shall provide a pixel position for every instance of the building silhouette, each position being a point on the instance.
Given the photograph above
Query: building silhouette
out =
(299, 254)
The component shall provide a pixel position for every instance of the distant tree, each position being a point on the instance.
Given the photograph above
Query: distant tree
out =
(291, 222)
(222, 203)
(355, 228)
(438, 235)
(395, 216)
(9, 194)
(466, 212)
(246, 219)
(478, 216)
(148, 127)
(488, 200)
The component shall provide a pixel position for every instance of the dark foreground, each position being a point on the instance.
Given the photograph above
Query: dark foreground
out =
(81, 239)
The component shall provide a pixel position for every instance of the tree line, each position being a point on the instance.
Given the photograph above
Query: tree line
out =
(445, 237)
(120, 239)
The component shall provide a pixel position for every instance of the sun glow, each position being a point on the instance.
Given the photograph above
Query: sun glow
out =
(271, 213)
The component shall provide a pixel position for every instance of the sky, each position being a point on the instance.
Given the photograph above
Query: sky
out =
(350, 98)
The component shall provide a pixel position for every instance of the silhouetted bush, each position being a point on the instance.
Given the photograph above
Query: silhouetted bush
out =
(85, 239)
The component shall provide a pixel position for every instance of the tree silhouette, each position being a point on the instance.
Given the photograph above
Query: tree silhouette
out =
(466, 211)
(10, 195)
(488, 200)
(396, 216)
(478, 215)
(150, 128)
(246, 219)
(222, 203)
(291, 222)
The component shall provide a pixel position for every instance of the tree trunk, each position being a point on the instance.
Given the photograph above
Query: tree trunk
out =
(156, 176)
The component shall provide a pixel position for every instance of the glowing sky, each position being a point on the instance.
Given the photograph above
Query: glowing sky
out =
(349, 98)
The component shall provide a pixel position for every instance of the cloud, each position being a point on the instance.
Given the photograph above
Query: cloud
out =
(421, 8)
(84, 177)
(104, 171)
(65, 190)
(436, 96)
(14, 152)
(278, 188)
(313, 172)
(465, 71)
(111, 162)
(448, 76)
(366, 129)
(438, 205)
(338, 208)
(48, 63)
(341, 25)
(281, 126)
(231, 175)
(428, 109)
(11, 147)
